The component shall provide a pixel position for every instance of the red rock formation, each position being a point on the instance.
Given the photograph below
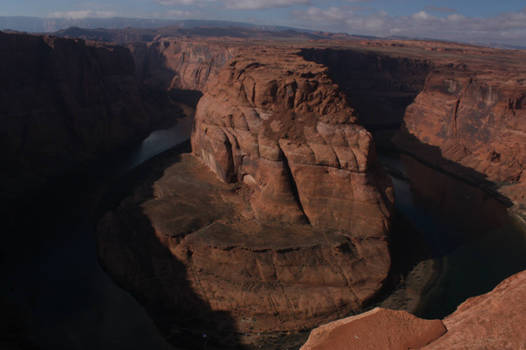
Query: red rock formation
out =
(376, 329)
(468, 116)
(493, 321)
(176, 63)
(284, 129)
(470, 119)
(63, 103)
(283, 224)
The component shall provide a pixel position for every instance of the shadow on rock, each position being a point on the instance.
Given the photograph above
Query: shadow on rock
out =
(132, 254)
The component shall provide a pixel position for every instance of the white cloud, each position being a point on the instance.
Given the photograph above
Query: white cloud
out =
(507, 28)
(262, 4)
(455, 17)
(178, 2)
(422, 15)
(81, 14)
(237, 4)
(178, 14)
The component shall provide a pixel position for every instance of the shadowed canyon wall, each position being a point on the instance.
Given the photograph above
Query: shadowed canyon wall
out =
(378, 86)
(180, 66)
(63, 104)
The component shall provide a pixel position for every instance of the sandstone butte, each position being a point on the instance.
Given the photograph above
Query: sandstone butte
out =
(279, 216)
(493, 321)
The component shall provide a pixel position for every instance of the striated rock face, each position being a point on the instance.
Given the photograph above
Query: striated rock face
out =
(376, 329)
(279, 219)
(491, 321)
(63, 103)
(178, 64)
(471, 120)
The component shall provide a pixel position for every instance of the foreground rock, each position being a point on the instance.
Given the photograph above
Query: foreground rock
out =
(493, 321)
(278, 221)
(376, 329)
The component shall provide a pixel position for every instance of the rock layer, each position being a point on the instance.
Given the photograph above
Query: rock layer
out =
(378, 85)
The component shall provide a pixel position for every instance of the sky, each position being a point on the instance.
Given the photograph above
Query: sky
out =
(500, 21)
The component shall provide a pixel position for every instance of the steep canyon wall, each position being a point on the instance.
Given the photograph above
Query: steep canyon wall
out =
(63, 104)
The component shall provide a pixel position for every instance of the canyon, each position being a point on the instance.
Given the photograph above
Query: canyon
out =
(279, 215)
(263, 242)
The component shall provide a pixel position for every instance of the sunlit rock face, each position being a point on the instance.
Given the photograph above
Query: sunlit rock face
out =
(376, 329)
(490, 321)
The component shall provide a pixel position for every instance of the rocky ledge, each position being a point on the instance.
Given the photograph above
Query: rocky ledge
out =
(491, 321)
(276, 223)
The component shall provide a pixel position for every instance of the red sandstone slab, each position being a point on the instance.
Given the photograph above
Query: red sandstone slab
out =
(376, 329)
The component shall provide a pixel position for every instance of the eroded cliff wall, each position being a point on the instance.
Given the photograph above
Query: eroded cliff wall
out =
(472, 122)
(179, 65)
